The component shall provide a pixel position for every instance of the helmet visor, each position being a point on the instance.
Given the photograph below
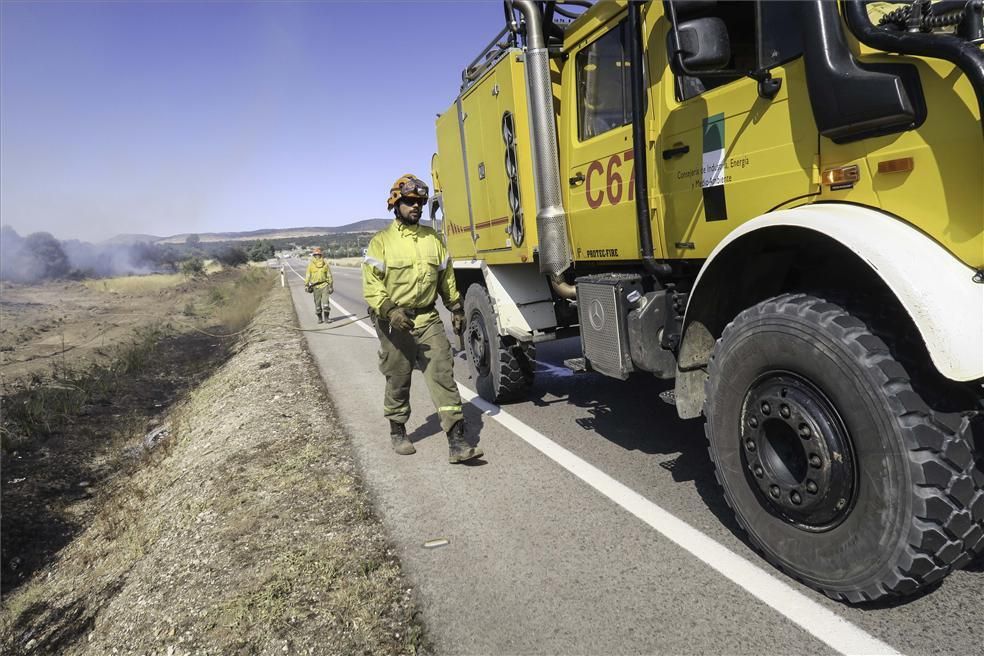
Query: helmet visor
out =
(414, 189)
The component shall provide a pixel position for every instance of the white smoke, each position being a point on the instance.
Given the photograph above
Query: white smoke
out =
(40, 256)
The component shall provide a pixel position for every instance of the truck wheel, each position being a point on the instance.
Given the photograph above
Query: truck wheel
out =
(837, 470)
(501, 366)
(972, 427)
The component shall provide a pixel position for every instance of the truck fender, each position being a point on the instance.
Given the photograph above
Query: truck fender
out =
(520, 297)
(946, 307)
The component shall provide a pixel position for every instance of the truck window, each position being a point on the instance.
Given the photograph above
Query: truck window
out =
(780, 34)
(767, 32)
(603, 100)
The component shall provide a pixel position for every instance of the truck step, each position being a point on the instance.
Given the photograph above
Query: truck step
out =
(577, 365)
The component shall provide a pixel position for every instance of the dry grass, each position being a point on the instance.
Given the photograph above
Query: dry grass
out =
(49, 401)
(135, 284)
(213, 266)
(80, 324)
(230, 305)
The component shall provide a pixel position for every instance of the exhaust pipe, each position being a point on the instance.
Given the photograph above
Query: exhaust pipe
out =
(563, 288)
(551, 219)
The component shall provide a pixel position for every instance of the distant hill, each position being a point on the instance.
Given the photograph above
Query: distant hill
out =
(130, 239)
(367, 225)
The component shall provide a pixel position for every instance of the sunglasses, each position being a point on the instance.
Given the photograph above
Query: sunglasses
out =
(417, 202)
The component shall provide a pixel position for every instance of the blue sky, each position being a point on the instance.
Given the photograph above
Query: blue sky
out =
(171, 117)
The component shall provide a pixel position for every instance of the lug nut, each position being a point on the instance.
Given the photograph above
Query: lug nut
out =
(805, 431)
(750, 444)
(774, 491)
(815, 460)
(841, 503)
(753, 422)
(796, 498)
(811, 487)
(784, 411)
(758, 471)
(766, 408)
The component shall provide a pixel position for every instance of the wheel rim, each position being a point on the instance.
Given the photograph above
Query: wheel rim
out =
(478, 344)
(797, 453)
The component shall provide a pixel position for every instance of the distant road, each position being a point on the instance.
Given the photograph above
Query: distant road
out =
(594, 524)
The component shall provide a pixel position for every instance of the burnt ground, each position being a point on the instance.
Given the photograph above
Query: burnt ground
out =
(51, 485)
(76, 324)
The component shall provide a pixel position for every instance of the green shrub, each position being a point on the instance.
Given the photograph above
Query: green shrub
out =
(193, 266)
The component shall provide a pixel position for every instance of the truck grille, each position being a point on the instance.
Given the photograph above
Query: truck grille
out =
(602, 309)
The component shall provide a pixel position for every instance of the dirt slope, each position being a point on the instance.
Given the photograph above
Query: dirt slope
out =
(79, 323)
(246, 532)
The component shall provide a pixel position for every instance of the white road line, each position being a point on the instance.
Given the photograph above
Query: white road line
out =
(287, 262)
(818, 621)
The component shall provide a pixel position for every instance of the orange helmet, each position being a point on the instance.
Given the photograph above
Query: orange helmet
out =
(407, 186)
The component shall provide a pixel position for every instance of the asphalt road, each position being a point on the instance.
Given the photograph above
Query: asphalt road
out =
(593, 525)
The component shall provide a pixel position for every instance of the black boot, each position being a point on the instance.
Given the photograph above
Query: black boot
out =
(459, 450)
(402, 445)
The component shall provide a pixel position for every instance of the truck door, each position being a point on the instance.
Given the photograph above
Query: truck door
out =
(474, 149)
(725, 153)
(598, 133)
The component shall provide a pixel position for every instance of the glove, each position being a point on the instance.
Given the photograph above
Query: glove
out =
(309, 289)
(458, 321)
(331, 288)
(400, 319)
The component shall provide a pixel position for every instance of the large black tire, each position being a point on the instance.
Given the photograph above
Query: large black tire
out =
(838, 471)
(973, 428)
(501, 366)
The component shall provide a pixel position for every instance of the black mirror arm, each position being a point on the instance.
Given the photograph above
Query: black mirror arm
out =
(677, 56)
(768, 86)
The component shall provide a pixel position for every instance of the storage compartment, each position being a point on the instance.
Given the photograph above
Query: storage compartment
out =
(484, 167)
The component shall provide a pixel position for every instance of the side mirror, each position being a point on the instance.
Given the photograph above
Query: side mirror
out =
(703, 47)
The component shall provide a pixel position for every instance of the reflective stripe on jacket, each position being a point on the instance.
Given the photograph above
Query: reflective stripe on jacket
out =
(408, 266)
(318, 272)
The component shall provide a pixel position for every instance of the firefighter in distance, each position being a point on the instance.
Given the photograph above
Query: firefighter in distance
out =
(317, 281)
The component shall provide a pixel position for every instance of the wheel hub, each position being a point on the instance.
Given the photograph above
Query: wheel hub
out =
(797, 452)
(478, 344)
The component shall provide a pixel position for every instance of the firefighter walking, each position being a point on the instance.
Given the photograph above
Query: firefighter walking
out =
(318, 281)
(406, 267)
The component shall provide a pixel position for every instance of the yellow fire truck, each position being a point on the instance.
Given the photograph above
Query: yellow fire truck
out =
(778, 204)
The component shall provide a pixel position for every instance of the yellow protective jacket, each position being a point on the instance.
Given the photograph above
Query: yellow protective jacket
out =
(318, 272)
(408, 266)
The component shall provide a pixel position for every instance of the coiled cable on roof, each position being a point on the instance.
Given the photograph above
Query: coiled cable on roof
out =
(926, 18)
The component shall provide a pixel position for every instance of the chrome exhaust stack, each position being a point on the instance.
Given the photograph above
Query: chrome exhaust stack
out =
(555, 255)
